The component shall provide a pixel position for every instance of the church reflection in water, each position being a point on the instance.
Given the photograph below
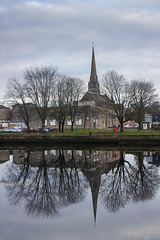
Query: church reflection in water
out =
(45, 181)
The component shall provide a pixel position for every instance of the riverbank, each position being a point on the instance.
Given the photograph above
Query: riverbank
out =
(50, 139)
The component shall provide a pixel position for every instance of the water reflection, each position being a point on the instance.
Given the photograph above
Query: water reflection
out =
(129, 182)
(48, 180)
(4, 156)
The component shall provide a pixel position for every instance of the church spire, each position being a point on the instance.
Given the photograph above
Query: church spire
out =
(93, 85)
(93, 64)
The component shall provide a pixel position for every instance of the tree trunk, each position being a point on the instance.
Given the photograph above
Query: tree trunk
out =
(72, 125)
(62, 127)
(140, 126)
(121, 127)
(59, 126)
(43, 126)
(27, 122)
(28, 128)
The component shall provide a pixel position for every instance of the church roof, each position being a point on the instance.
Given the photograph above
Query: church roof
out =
(99, 99)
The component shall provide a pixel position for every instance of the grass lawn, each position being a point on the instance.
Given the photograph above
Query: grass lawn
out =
(106, 132)
(110, 132)
(101, 132)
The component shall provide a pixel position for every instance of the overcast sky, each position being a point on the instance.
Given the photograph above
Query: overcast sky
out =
(126, 36)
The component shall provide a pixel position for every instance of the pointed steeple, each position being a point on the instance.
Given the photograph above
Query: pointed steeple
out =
(95, 190)
(93, 64)
(94, 179)
(93, 85)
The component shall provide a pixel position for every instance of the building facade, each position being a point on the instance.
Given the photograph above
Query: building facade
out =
(5, 116)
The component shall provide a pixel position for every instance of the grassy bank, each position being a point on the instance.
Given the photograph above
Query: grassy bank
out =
(87, 137)
(101, 132)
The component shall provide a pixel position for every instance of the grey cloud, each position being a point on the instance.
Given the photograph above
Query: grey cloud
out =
(59, 22)
(36, 33)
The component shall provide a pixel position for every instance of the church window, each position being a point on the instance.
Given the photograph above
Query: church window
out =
(79, 122)
(97, 122)
(69, 152)
(52, 122)
(53, 152)
(79, 153)
(69, 123)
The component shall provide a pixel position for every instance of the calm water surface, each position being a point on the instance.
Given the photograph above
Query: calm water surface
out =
(81, 194)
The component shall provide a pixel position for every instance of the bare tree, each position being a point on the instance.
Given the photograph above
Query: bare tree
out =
(144, 95)
(118, 91)
(60, 102)
(40, 84)
(68, 92)
(74, 90)
(16, 93)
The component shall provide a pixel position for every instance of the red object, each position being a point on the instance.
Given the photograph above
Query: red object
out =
(114, 129)
(114, 155)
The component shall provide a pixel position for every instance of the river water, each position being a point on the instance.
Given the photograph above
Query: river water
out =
(70, 194)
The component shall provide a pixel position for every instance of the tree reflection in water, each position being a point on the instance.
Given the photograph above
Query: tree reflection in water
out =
(127, 182)
(44, 189)
(146, 180)
(45, 185)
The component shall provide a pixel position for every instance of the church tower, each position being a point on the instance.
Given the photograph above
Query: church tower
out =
(93, 85)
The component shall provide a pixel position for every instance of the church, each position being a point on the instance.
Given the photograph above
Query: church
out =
(98, 106)
(93, 112)
(94, 109)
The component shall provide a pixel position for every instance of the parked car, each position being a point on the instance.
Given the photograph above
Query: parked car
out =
(15, 129)
(31, 130)
(34, 130)
(4, 130)
(136, 125)
(24, 130)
